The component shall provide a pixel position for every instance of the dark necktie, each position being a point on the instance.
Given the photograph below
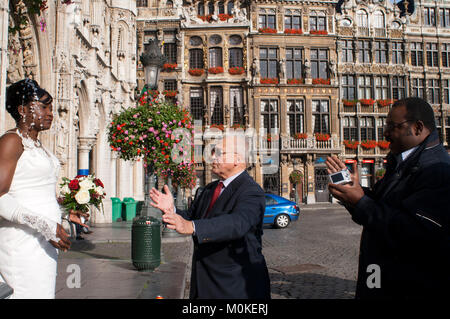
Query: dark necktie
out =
(214, 197)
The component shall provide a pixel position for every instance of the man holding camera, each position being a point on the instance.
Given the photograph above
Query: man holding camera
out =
(405, 243)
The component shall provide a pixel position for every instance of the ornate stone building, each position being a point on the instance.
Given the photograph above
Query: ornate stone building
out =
(84, 54)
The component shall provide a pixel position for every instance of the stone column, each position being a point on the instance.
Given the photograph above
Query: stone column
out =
(85, 145)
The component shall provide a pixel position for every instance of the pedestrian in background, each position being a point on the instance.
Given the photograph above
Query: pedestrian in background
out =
(405, 243)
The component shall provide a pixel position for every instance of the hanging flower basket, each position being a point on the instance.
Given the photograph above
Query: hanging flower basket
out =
(322, 137)
(149, 131)
(300, 136)
(196, 72)
(369, 144)
(296, 177)
(379, 174)
(351, 144)
(267, 30)
(215, 70)
(383, 144)
(295, 81)
(293, 31)
(269, 81)
(236, 70)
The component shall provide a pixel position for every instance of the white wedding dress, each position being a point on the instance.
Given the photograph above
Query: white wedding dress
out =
(28, 262)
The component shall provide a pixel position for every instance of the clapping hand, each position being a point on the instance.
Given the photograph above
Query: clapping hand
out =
(162, 201)
(64, 243)
(348, 193)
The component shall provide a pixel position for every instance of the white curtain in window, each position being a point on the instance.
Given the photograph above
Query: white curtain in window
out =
(362, 18)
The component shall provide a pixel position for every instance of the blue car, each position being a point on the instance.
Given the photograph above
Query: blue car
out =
(280, 211)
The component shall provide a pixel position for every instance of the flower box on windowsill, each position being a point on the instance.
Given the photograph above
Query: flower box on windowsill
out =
(224, 16)
(384, 103)
(351, 144)
(267, 30)
(295, 81)
(269, 81)
(236, 70)
(369, 144)
(170, 66)
(349, 102)
(215, 70)
(300, 136)
(383, 145)
(322, 137)
(170, 93)
(321, 81)
(318, 32)
(196, 72)
(293, 31)
(367, 102)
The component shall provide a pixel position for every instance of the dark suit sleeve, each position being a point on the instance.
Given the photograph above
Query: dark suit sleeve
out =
(247, 213)
(187, 214)
(421, 217)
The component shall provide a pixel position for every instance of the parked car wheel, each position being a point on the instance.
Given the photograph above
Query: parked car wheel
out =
(282, 221)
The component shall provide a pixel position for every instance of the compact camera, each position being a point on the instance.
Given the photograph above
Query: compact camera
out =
(342, 177)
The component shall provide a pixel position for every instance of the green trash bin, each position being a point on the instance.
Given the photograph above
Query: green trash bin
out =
(129, 209)
(116, 209)
(146, 243)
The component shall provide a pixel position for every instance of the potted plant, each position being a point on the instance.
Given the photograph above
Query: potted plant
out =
(351, 144)
(296, 177)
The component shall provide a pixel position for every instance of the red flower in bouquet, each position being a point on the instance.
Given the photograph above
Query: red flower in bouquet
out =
(74, 184)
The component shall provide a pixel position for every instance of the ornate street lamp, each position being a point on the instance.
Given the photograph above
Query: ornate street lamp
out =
(153, 61)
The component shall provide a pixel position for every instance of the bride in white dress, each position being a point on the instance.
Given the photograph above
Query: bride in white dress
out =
(30, 217)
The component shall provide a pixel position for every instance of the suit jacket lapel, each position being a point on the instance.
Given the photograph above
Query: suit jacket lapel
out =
(205, 199)
(227, 194)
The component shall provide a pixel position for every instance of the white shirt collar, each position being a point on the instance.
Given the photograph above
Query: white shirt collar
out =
(406, 153)
(231, 178)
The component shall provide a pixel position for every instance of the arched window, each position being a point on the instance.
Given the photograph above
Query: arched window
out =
(230, 7)
(362, 19)
(210, 7)
(221, 7)
(378, 17)
(201, 9)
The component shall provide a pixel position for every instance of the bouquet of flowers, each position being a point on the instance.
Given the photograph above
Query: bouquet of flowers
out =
(84, 190)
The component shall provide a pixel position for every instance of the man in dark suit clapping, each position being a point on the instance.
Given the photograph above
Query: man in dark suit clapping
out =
(226, 224)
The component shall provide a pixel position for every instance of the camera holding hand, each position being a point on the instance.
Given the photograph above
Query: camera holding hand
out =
(342, 177)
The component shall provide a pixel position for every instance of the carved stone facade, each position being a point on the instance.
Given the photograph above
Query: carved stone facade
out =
(83, 58)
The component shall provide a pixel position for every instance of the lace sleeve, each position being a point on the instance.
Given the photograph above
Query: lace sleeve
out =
(11, 210)
(44, 226)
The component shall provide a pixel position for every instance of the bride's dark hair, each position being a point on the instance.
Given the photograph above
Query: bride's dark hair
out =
(22, 93)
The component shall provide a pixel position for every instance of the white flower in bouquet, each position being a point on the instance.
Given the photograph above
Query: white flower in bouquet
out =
(87, 184)
(99, 190)
(65, 189)
(83, 197)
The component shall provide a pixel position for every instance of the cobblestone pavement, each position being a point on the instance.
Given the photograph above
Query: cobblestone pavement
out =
(315, 257)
